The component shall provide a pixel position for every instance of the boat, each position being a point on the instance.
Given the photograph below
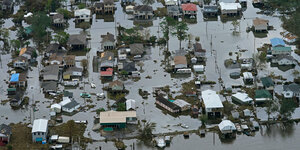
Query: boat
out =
(202, 132)
(85, 95)
(161, 143)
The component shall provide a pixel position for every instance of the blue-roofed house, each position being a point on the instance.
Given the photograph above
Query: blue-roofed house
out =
(17, 80)
(277, 42)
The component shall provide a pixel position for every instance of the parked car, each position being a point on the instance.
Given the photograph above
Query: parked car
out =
(100, 95)
(85, 95)
(93, 85)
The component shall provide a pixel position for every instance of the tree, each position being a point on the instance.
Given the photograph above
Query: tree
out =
(62, 38)
(167, 26)
(148, 2)
(287, 108)
(146, 132)
(181, 29)
(121, 107)
(15, 44)
(40, 22)
(52, 5)
(67, 14)
(203, 119)
(197, 38)
(84, 25)
(207, 2)
(84, 63)
(271, 108)
(4, 36)
(81, 6)
(235, 24)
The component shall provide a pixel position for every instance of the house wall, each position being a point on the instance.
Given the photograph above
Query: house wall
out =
(261, 28)
(285, 62)
(36, 135)
(280, 52)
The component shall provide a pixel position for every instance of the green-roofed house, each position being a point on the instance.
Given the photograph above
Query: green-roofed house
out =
(267, 83)
(281, 50)
(262, 96)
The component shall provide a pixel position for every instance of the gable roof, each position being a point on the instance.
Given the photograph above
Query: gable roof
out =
(230, 6)
(210, 8)
(287, 49)
(258, 21)
(80, 12)
(71, 104)
(52, 48)
(108, 2)
(211, 99)
(116, 83)
(173, 9)
(107, 56)
(5, 130)
(108, 37)
(77, 39)
(69, 59)
(99, 5)
(169, 104)
(55, 57)
(129, 66)
(58, 16)
(51, 72)
(143, 8)
(39, 125)
(267, 81)
(262, 94)
(49, 86)
(277, 42)
(180, 60)
(136, 49)
(189, 7)
(295, 88)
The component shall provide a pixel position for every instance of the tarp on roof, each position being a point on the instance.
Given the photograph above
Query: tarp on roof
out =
(15, 77)
(277, 41)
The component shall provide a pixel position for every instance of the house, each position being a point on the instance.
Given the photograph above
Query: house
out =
(58, 20)
(99, 8)
(50, 73)
(29, 53)
(281, 51)
(136, 49)
(20, 62)
(260, 25)
(117, 119)
(268, 83)
(82, 15)
(248, 78)
(182, 104)
(5, 133)
(289, 37)
(212, 103)
(49, 86)
(55, 108)
(69, 61)
(189, 9)
(230, 9)
(55, 59)
(262, 96)
(128, 67)
(241, 98)
(173, 11)
(77, 41)
(126, 2)
(210, 10)
(72, 73)
(39, 130)
(169, 3)
(166, 104)
(130, 104)
(18, 80)
(184, 1)
(291, 90)
(143, 12)
(180, 62)
(7, 5)
(109, 6)
(226, 126)
(70, 106)
(108, 41)
(54, 48)
(198, 51)
(116, 86)
(277, 42)
(106, 64)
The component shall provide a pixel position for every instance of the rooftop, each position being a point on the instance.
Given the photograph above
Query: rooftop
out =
(230, 6)
(258, 21)
(39, 125)
(189, 7)
(267, 81)
(180, 60)
(116, 116)
(211, 99)
(277, 42)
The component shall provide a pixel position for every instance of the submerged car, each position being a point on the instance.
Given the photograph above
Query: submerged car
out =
(85, 95)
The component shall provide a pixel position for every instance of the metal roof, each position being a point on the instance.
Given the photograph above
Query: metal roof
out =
(277, 42)
(39, 125)
(211, 99)
(116, 116)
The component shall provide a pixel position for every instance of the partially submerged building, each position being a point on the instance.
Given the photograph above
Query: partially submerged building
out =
(117, 119)
(212, 103)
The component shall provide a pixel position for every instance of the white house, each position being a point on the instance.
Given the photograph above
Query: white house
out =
(283, 60)
(212, 103)
(171, 2)
(130, 104)
(248, 77)
(226, 126)
(242, 98)
(82, 15)
(198, 68)
(230, 9)
(39, 130)
(55, 108)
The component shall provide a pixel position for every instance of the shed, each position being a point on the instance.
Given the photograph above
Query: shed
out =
(56, 108)
(242, 98)
(248, 77)
(226, 126)
(182, 104)
(130, 104)
(63, 139)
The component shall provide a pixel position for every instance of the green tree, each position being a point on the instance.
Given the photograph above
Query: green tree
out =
(81, 6)
(62, 38)
(167, 26)
(84, 25)
(181, 29)
(287, 108)
(67, 14)
(203, 118)
(235, 25)
(15, 44)
(52, 5)
(70, 125)
(40, 22)
(4, 37)
(148, 2)
(121, 107)
(84, 63)
(207, 2)
(145, 134)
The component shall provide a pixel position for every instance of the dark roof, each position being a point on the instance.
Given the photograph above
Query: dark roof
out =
(69, 59)
(210, 9)
(169, 104)
(5, 129)
(143, 8)
(72, 104)
(198, 48)
(116, 83)
(77, 39)
(58, 16)
(51, 70)
(52, 48)
(7, 2)
(295, 88)
(72, 69)
(99, 5)
(20, 58)
(109, 2)
(136, 49)
(68, 94)
(107, 56)
(267, 81)
(129, 66)
(262, 94)
(108, 37)
(49, 86)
